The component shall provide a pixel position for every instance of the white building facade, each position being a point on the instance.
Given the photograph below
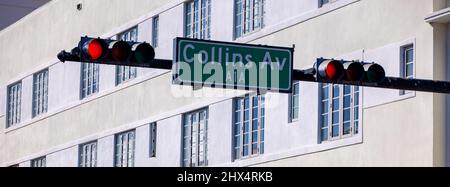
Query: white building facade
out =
(58, 114)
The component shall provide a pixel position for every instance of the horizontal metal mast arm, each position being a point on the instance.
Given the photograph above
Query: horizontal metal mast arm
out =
(389, 83)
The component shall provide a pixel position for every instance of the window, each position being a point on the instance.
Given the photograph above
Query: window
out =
(294, 102)
(40, 93)
(198, 19)
(38, 162)
(407, 64)
(323, 2)
(248, 16)
(126, 73)
(124, 150)
(153, 139)
(89, 79)
(195, 143)
(14, 102)
(339, 111)
(155, 31)
(248, 128)
(88, 155)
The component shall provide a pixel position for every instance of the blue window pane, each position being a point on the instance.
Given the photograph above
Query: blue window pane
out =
(295, 101)
(336, 91)
(335, 104)
(262, 136)
(254, 149)
(237, 117)
(246, 138)
(255, 136)
(346, 89)
(325, 107)
(335, 130)
(346, 115)
(237, 104)
(409, 70)
(255, 101)
(245, 150)
(237, 141)
(237, 128)
(296, 88)
(346, 129)
(409, 54)
(356, 98)
(296, 112)
(324, 134)
(255, 124)
(246, 126)
(246, 115)
(356, 127)
(356, 113)
(325, 93)
(255, 113)
(246, 102)
(346, 101)
(237, 153)
(324, 120)
(261, 148)
(336, 117)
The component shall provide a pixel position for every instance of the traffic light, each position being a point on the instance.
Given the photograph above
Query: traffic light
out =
(105, 51)
(335, 71)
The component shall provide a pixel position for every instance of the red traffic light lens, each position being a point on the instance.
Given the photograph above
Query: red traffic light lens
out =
(95, 49)
(120, 51)
(331, 70)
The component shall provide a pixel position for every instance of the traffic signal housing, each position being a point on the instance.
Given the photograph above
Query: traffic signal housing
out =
(115, 52)
(340, 71)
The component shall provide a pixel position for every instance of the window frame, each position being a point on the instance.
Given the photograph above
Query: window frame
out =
(291, 105)
(197, 27)
(124, 74)
(95, 80)
(189, 128)
(355, 124)
(39, 103)
(133, 153)
(92, 162)
(260, 128)
(242, 32)
(403, 64)
(153, 131)
(39, 162)
(323, 3)
(155, 31)
(16, 106)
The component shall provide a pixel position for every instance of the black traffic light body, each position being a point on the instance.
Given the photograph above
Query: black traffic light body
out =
(340, 71)
(114, 52)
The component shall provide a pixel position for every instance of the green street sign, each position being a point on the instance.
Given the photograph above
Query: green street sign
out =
(232, 65)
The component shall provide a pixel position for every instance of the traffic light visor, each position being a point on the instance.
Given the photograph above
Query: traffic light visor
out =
(375, 72)
(144, 53)
(120, 51)
(354, 71)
